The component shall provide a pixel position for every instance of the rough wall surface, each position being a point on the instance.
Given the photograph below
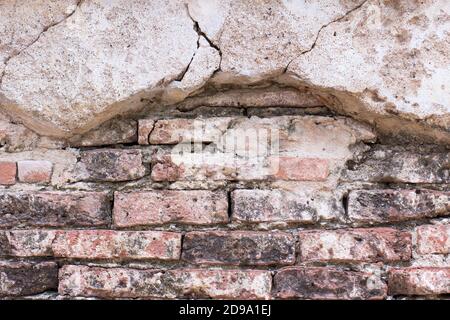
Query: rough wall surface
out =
(224, 149)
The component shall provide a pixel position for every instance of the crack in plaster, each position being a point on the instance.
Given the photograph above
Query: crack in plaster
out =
(44, 30)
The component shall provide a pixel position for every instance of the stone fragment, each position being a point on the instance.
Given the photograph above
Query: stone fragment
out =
(433, 239)
(34, 171)
(419, 281)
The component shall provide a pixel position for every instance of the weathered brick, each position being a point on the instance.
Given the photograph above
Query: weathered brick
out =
(299, 169)
(26, 243)
(327, 283)
(355, 245)
(34, 171)
(173, 131)
(255, 206)
(145, 127)
(111, 132)
(419, 281)
(197, 207)
(110, 165)
(109, 244)
(239, 248)
(8, 171)
(179, 283)
(433, 239)
(381, 206)
(391, 165)
(54, 209)
(21, 278)
(227, 166)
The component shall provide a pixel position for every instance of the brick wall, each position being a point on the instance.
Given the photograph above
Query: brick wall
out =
(331, 213)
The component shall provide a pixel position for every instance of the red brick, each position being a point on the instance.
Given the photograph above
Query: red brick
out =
(299, 169)
(419, 281)
(258, 206)
(23, 279)
(239, 248)
(198, 207)
(179, 283)
(355, 245)
(381, 206)
(109, 244)
(26, 243)
(110, 165)
(433, 239)
(54, 209)
(8, 171)
(34, 171)
(327, 283)
(145, 127)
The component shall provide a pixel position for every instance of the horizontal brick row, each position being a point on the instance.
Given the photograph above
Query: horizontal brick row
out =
(25, 278)
(26, 171)
(213, 247)
(204, 207)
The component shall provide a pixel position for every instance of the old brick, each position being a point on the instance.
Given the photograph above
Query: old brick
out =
(110, 165)
(145, 127)
(21, 278)
(327, 283)
(34, 171)
(433, 239)
(179, 283)
(173, 131)
(355, 245)
(8, 171)
(299, 169)
(198, 207)
(419, 281)
(391, 165)
(109, 244)
(26, 243)
(239, 248)
(380, 206)
(255, 206)
(54, 209)
(111, 132)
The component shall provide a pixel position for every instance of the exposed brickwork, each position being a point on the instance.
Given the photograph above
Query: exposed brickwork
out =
(214, 203)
